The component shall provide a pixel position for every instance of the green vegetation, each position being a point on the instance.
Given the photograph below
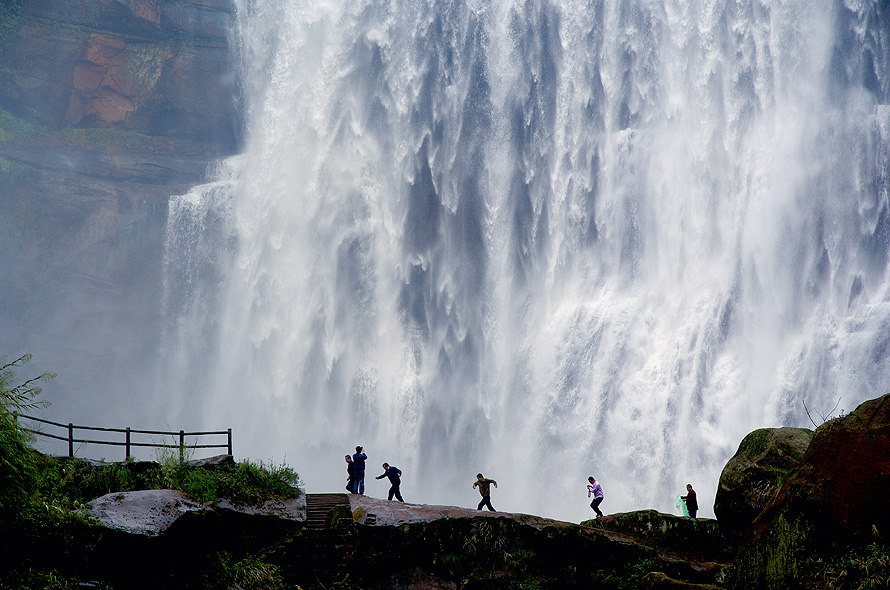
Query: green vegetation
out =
(247, 483)
(250, 573)
(10, 18)
(862, 568)
(105, 138)
(11, 170)
(625, 576)
(755, 442)
(17, 465)
(22, 509)
(12, 126)
(68, 484)
(44, 531)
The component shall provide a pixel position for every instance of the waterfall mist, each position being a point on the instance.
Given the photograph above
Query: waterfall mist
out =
(541, 240)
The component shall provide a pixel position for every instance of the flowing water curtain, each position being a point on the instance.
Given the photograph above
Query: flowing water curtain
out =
(553, 236)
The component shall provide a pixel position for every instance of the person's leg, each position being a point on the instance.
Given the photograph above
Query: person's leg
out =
(595, 505)
(349, 486)
(487, 500)
(398, 493)
(359, 483)
(692, 513)
(481, 504)
(392, 490)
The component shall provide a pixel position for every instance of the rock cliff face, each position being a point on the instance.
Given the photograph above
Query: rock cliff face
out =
(107, 109)
(837, 499)
(159, 68)
(748, 481)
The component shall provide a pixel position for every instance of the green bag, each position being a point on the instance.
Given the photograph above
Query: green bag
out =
(681, 506)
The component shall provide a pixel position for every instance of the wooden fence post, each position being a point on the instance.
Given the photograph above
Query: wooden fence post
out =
(70, 439)
(230, 441)
(181, 443)
(127, 456)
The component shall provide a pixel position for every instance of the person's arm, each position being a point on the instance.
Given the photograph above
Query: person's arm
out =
(475, 483)
(495, 483)
(381, 476)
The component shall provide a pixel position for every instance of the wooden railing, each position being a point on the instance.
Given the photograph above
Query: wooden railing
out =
(128, 432)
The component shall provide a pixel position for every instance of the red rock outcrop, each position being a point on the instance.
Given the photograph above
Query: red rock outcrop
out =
(845, 473)
(839, 497)
(157, 68)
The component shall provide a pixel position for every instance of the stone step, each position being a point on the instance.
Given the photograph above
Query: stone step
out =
(318, 506)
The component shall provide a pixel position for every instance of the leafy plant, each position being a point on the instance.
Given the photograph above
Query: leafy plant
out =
(862, 568)
(17, 460)
(244, 483)
(250, 573)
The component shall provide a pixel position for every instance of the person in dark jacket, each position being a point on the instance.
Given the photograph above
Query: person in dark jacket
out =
(484, 485)
(358, 460)
(350, 471)
(394, 474)
(691, 502)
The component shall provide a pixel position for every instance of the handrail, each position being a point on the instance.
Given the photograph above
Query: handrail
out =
(128, 443)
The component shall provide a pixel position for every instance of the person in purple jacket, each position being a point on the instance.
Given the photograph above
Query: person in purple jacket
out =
(596, 490)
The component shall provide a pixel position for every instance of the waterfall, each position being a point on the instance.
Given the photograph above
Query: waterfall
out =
(539, 239)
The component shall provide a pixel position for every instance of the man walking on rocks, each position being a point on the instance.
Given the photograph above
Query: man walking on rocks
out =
(394, 474)
(484, 489)
(596, 490)
(358, 460)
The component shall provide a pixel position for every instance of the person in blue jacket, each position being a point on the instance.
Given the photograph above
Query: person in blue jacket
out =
(358, 460)
(394, 474)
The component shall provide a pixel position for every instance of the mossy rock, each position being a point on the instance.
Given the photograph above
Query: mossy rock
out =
(835, 501)
(751, 478)
(339, 517)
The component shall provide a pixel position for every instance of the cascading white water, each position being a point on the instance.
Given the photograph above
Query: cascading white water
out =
(540, 240)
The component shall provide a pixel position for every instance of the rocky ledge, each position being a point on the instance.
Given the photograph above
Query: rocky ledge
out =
(830, 501)
(376, 543)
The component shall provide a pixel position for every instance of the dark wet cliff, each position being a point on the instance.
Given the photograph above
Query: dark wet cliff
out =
(107, 108)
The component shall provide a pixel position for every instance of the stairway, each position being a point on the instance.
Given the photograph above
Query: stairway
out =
(318, 505)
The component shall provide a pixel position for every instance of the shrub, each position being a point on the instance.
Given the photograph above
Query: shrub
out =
(250, 573)
(17, 460)
(245, 483)
(862, 568)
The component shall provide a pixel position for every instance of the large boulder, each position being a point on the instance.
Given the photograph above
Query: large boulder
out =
(667, 532)
(146, 512)
(751, 478)
(839, 497)
(681, 540)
